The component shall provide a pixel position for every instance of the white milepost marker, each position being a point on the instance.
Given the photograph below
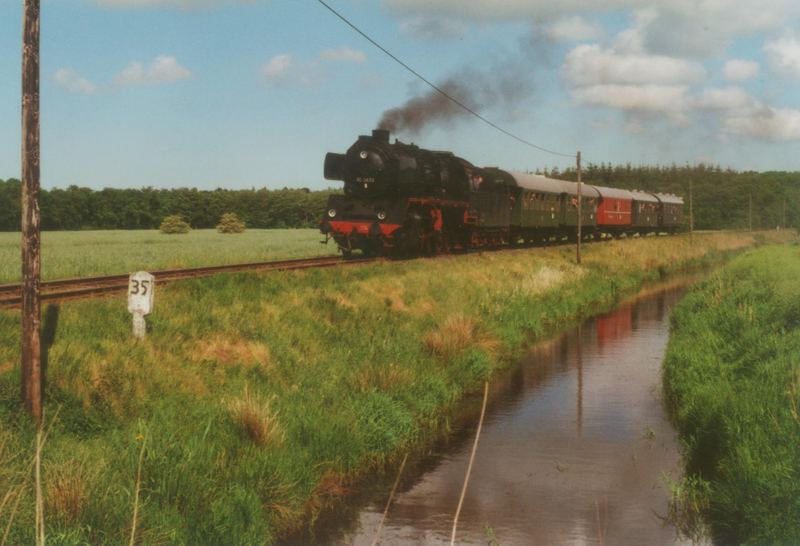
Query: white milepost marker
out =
(141, 287)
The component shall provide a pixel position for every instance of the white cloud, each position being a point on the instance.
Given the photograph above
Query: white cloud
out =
(434, 28)
(765, 122)
(285, 69)
(277, 67)
(343, 54)
(706, 28)
(726, 98)
(505, 9)
(625, 79)
(574, 29)
(653, 67)
(783, 55)
(699, 28)
(592, 65)
(670, 99)
(739, 70)
(73, 82)
(164, 69)
(740, 114)
(745, 115)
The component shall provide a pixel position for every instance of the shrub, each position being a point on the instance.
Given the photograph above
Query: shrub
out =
(230, 223)
(174, 225)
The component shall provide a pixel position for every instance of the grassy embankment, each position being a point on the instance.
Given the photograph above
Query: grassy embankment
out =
(260, 397)
(732, 374)
(85, 253)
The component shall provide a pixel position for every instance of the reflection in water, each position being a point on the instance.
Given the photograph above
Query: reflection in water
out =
(573, 450)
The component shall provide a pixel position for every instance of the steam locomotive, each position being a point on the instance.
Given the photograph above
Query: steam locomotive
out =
(400, 199)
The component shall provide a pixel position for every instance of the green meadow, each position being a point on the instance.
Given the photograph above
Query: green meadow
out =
(257, 400)
(732, 375)
(67, 254)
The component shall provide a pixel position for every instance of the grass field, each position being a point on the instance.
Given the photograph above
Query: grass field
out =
(83, 253)
(257, 399)
(732, 374)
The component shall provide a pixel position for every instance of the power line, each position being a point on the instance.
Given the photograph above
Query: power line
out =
(439, 89)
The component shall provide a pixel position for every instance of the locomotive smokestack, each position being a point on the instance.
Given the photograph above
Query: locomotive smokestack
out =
(381, 135)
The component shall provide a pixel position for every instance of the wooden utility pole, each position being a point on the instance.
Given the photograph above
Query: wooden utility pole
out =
(691, 208)
(578, 248)
(32, 379)
(750, 212)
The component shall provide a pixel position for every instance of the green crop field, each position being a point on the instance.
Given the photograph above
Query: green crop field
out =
(258, 398)
(82, 253)
(732, 374)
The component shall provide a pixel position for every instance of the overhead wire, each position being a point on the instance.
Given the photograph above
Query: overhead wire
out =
(439, 89)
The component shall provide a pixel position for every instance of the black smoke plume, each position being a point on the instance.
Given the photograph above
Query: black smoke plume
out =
(501, 88)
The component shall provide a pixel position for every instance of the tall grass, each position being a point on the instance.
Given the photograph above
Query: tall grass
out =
(265, 395)
(731, 374)
(84, 253)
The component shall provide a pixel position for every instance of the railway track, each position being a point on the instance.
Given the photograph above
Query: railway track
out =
(90, 287)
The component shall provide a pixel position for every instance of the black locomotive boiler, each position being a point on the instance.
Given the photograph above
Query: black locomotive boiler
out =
(402, 199)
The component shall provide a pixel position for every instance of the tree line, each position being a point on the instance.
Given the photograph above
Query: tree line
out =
(720, 200)
(721, 196)
(76, 208)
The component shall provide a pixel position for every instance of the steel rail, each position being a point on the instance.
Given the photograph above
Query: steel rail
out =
(88, 287)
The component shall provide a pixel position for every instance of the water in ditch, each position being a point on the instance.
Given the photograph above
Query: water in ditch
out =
(575, 449)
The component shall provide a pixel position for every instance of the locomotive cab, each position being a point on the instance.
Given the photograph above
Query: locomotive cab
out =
(372, 167)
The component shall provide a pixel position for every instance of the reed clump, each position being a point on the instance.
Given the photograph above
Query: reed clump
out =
(256, 418)
(66, 492)
(456, 334)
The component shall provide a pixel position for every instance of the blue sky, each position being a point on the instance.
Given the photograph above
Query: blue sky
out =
(241, 93)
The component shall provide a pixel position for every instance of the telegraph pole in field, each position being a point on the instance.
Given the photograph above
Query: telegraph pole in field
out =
(32, 379)
(750, 212)
(578, 248)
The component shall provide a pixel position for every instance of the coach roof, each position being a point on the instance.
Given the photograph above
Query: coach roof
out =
(614, 193)
(644, 197)
(670, 198)
(537, 182)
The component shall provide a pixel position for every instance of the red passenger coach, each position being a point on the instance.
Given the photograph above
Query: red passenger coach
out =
(614, 210)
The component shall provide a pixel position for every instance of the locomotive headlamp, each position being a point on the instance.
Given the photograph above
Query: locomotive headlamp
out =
(332, 213)
(382, 215)
(364, 154)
